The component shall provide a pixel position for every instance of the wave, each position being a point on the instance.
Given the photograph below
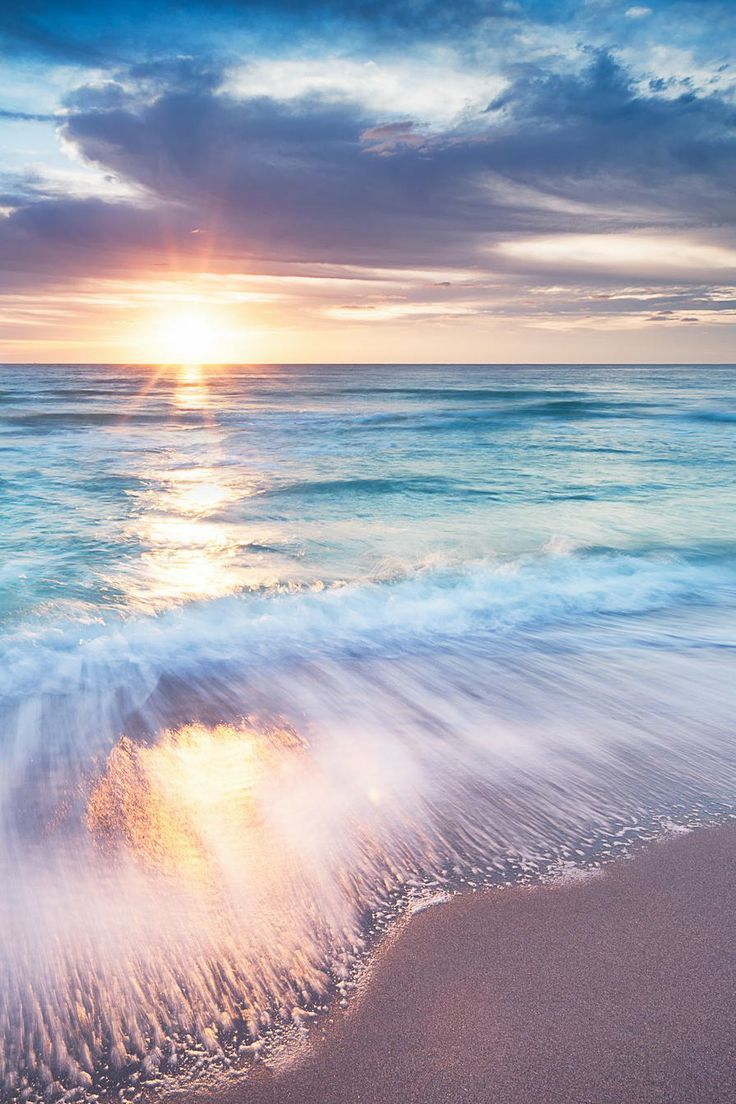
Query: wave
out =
(375, 486)
(510, 407)
(366, 485)
(425, 606)
(728, 417)
(443, 393)
(201, 811)
(487, 416)
(43, 422)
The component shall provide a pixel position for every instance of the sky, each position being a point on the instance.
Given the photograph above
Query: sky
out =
(253, 181)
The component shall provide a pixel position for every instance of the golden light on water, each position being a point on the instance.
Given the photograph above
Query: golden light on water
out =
(194, 894)
(199, 491)
(192, 388)
(175, 804)
(192, 552)
(188, 524)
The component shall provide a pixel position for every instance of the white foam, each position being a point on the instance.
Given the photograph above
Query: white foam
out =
(173, 884)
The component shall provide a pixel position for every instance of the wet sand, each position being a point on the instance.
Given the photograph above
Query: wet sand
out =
(620, 988)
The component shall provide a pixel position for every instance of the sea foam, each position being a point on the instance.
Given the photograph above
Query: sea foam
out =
(202, 810)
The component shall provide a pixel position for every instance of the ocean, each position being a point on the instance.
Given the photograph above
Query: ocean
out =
(287, 649)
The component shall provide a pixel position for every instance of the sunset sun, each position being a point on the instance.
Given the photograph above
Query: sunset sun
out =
(189, 336)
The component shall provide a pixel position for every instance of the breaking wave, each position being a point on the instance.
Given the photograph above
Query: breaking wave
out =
(204, 812)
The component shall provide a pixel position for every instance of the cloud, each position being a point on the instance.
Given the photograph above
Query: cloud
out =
(105, 95)
(598, 132)
(304, 179)
(563, 188)
(81, 31)
(679, 256)
(434, 89)
(26, 117)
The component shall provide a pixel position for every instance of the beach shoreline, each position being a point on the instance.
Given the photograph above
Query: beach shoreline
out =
(612, 987)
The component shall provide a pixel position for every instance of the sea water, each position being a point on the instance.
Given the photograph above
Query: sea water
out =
(283, 646)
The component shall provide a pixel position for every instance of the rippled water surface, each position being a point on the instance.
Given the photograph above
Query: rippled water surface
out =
(281, 646)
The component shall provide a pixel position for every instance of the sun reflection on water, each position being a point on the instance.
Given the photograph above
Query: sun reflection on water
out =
(176, 804)
(192, 391)
(191, 549)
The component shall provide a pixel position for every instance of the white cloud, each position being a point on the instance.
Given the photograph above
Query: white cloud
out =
(82, 182)
(622, 254)
(435, 90)
(637, 13)
(677, 69)
(382, 311)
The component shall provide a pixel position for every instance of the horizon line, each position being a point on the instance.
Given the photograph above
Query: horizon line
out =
(368, 364)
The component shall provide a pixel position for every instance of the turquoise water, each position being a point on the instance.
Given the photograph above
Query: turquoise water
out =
(115, 478)
(280, 644)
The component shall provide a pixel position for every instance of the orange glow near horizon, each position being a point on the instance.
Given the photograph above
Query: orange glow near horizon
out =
(327, 314)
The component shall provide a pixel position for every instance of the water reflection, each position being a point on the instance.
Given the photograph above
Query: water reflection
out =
(192, 390)
(181, 805)
(190, 549)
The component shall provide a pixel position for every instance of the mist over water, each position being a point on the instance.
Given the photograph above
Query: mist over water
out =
(281, 646)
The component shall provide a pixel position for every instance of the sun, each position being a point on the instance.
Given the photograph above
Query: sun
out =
(189, 336)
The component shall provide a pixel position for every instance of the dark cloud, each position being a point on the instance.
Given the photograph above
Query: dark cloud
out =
(307, 174)
(105, 96)
(54, 240)
(598, 128)
(26, 116)
(317, 181)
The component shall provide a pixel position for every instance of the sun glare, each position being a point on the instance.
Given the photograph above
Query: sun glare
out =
(189, 337)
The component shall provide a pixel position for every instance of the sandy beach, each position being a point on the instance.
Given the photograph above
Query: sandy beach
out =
(615, 989)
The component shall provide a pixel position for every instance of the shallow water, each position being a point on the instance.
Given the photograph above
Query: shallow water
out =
(281, 645)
